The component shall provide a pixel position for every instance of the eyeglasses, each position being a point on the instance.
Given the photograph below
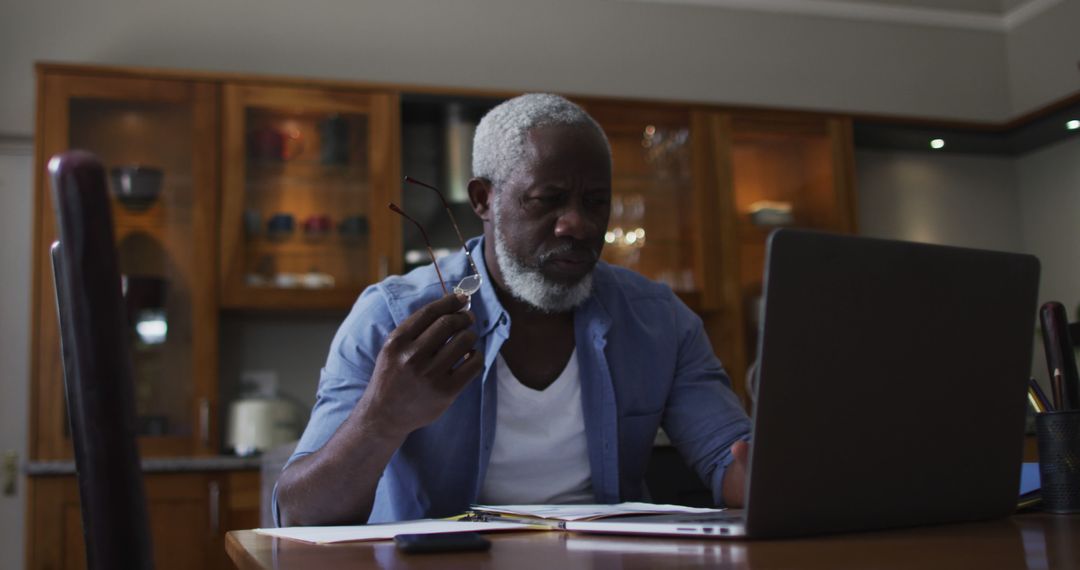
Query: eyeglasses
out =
(470, 284)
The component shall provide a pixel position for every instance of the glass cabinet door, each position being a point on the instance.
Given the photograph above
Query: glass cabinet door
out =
(155, 139)
(305, 173)
(786, 171)
(653, 227)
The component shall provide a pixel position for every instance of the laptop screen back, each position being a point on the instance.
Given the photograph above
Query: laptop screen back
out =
(892, 383)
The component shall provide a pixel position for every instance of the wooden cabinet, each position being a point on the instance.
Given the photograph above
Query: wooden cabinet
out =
(655, 226)
(306, 177)
(300, 223)
(162, 137)
(189, 516)
(696, 191)
(157, 139)
(769, 170)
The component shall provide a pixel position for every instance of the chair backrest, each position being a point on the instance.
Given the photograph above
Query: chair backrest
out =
(98, 376)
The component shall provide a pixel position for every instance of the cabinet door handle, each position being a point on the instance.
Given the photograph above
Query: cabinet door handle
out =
(215, 508)
(11, 470)
(204, 422)
(384, 267)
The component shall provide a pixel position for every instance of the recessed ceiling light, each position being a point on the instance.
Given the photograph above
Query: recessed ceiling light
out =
(1073, 125)
(937, 143)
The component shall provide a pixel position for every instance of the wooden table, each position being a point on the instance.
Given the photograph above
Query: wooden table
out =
(1031, 542)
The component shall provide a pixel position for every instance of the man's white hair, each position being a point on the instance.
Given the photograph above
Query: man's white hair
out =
(499, 142)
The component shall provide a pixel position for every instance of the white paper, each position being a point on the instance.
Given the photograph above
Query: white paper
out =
(588, 512)
(332, 534)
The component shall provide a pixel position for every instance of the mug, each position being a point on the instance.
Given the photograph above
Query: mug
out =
(353, 226)
(280, 224)
(272, 144)
(317, 224)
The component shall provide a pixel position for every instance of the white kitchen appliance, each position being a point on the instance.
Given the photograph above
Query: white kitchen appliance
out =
(259, 424)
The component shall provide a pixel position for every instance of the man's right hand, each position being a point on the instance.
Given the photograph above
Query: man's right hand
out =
(424, 364)
(422, 367)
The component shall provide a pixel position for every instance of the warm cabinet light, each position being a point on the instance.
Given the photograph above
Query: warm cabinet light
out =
(937, 143)
(1073, 125)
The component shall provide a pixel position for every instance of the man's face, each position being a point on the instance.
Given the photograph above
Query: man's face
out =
(552, 212)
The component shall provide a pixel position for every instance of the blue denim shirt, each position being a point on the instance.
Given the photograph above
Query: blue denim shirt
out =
(645, 362)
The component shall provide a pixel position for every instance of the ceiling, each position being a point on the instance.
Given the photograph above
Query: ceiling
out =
(993, 15)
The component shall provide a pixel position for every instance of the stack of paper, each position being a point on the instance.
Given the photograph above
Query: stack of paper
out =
(335, 534)
(483, 518)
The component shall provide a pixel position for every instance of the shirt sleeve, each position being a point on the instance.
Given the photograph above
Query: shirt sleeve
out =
(347, 371)
(703, 417)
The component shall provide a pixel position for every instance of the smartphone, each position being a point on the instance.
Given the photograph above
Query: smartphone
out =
(441, 542)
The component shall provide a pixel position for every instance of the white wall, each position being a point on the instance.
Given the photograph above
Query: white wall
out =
(16, 205)
(939, 198)
(1044, 57)
(1029, 203)
(294, 346)
(1049, 189)
(581, 46)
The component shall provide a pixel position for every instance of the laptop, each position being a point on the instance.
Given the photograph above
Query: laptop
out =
(891, 390)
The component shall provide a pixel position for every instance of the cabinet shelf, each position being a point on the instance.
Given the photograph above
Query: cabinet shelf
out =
(301, 244)
(303, 167)
(152, 221)
(294, 299)
(290, 175)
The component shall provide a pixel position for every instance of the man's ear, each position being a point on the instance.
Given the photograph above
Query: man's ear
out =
(480, 196)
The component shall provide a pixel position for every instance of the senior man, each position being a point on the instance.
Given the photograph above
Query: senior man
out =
(550, 389)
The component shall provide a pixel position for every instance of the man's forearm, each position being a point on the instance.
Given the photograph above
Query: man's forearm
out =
(336, 484)
(734, 483)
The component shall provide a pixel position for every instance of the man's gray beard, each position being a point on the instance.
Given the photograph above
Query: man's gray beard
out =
(528, 284)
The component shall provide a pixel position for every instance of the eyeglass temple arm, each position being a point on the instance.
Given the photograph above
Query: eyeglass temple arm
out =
(427, 242)
(450, 213)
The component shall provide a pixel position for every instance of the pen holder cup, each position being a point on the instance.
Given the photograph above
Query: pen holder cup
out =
(1059, 460)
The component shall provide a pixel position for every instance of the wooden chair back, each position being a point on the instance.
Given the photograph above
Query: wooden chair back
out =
(98, 375)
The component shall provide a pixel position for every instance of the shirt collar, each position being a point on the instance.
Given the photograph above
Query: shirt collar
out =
(485, 304)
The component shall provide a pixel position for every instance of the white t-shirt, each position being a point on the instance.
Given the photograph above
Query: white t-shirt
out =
(540, 454)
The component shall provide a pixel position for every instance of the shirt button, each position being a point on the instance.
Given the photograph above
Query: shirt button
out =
(485, 322)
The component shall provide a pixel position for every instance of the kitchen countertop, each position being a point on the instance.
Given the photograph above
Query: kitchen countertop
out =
(156, 465)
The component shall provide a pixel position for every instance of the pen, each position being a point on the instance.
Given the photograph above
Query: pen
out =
(489, 517)
(1059, 390)
(1037, 397)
